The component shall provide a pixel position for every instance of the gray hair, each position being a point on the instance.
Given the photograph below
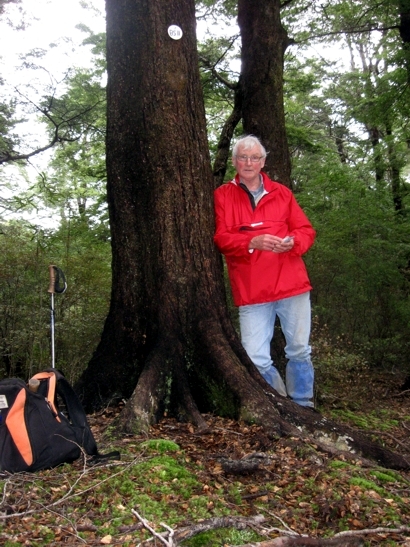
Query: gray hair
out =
(248, 142)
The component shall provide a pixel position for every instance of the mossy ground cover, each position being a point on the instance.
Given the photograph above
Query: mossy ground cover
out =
(175, 477)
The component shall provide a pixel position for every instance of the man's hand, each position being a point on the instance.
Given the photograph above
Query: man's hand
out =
(267, 242)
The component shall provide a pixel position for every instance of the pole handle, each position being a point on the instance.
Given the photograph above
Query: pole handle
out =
(52, 274)
(33, 385)
(57, 280)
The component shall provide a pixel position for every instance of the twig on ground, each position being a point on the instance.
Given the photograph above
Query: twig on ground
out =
(380, 530)
(288, 529)
(307, 542)
(386, 434)
(71, 492)
(349, 538)
(161, 537)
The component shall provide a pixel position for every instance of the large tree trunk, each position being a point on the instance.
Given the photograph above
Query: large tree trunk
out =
(264, 41)
(168, 341)
(168, 291)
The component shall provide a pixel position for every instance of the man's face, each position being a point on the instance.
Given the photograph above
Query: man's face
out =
(247, 169)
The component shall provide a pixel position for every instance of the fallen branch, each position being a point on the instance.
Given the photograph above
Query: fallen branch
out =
(307, 542)
(161, 537)
(349, 538)
(240, 467)
(380, 530)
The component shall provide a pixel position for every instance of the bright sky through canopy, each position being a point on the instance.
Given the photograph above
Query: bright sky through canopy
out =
(48, 25)
(47, 28)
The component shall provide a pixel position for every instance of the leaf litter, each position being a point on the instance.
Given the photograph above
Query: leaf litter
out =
(176, 478)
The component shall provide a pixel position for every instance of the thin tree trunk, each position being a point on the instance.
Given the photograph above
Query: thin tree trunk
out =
(224, 143)
(404, 29)
(395, 169)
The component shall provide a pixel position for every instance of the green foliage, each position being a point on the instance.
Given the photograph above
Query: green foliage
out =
(385, 476)
(80, 110)
(25, 303)
(160, 445)
(366, 484)
(337, 464)
(363, 421)
(8, 140)
(73, 190)
(22, 325)
(217, 10)
(359, 263)
(218, 60)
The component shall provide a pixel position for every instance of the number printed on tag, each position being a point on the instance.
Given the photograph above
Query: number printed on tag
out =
(174, 32)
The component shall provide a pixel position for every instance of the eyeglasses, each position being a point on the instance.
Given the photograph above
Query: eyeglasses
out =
(254, 159)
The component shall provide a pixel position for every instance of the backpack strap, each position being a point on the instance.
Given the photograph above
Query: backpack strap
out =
(51, 391)
(58, 384)
(76, 413)
(78, 417)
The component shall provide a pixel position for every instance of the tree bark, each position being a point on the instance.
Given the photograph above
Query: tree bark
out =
(168, 291)
(395, 168)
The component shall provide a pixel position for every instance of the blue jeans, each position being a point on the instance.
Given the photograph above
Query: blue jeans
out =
(257, 323)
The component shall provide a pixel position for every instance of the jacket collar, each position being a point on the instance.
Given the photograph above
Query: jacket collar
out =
(268, 184)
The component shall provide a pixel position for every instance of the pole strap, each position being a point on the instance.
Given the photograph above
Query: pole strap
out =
(58, 282)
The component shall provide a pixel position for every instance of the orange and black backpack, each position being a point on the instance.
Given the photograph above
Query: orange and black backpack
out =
(35, 431)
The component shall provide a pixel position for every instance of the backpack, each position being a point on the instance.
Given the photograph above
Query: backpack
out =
(34, 433)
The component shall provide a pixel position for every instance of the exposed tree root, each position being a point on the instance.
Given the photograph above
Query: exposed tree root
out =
(280, 416)
(165, 375)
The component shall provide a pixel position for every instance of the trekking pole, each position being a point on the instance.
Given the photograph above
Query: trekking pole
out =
(57, 285)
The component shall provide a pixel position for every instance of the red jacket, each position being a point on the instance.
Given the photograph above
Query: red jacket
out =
(262, 276)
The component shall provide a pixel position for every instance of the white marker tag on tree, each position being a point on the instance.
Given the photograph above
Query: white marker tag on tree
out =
(175, 32)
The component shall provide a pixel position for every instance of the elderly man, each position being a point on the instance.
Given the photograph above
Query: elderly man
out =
(263, 233)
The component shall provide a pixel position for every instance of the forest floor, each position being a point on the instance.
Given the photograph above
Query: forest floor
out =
(173, 480)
